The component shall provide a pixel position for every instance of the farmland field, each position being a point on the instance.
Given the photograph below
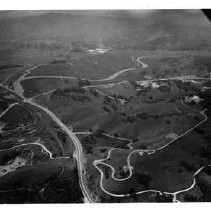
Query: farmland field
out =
(105, 107)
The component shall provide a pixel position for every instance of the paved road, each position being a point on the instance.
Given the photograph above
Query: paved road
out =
(130, 167)
(19, 89)
(79, 153)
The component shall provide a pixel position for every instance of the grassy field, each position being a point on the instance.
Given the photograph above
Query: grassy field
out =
(31, 125)
(34, 87)
(145, 121)
(170, 169)
(163, 66)
(149, 115)
(36, 177)
(88, 67)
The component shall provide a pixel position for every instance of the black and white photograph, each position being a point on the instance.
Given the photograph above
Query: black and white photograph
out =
(105, 106)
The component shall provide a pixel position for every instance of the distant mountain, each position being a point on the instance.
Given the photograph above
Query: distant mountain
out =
(137, 29)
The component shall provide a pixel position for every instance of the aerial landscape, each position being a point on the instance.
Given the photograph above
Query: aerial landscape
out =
(105, 106)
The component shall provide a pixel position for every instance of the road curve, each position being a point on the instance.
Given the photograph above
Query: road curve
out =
(113, 76)
(18, 86)
(130, 168)
(79, 152)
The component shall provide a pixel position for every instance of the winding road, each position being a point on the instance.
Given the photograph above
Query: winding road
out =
(115, 75)
(78, 154)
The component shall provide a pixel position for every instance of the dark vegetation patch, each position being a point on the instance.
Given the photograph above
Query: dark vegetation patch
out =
(17, 115)
(9, 66)
(41, 184)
